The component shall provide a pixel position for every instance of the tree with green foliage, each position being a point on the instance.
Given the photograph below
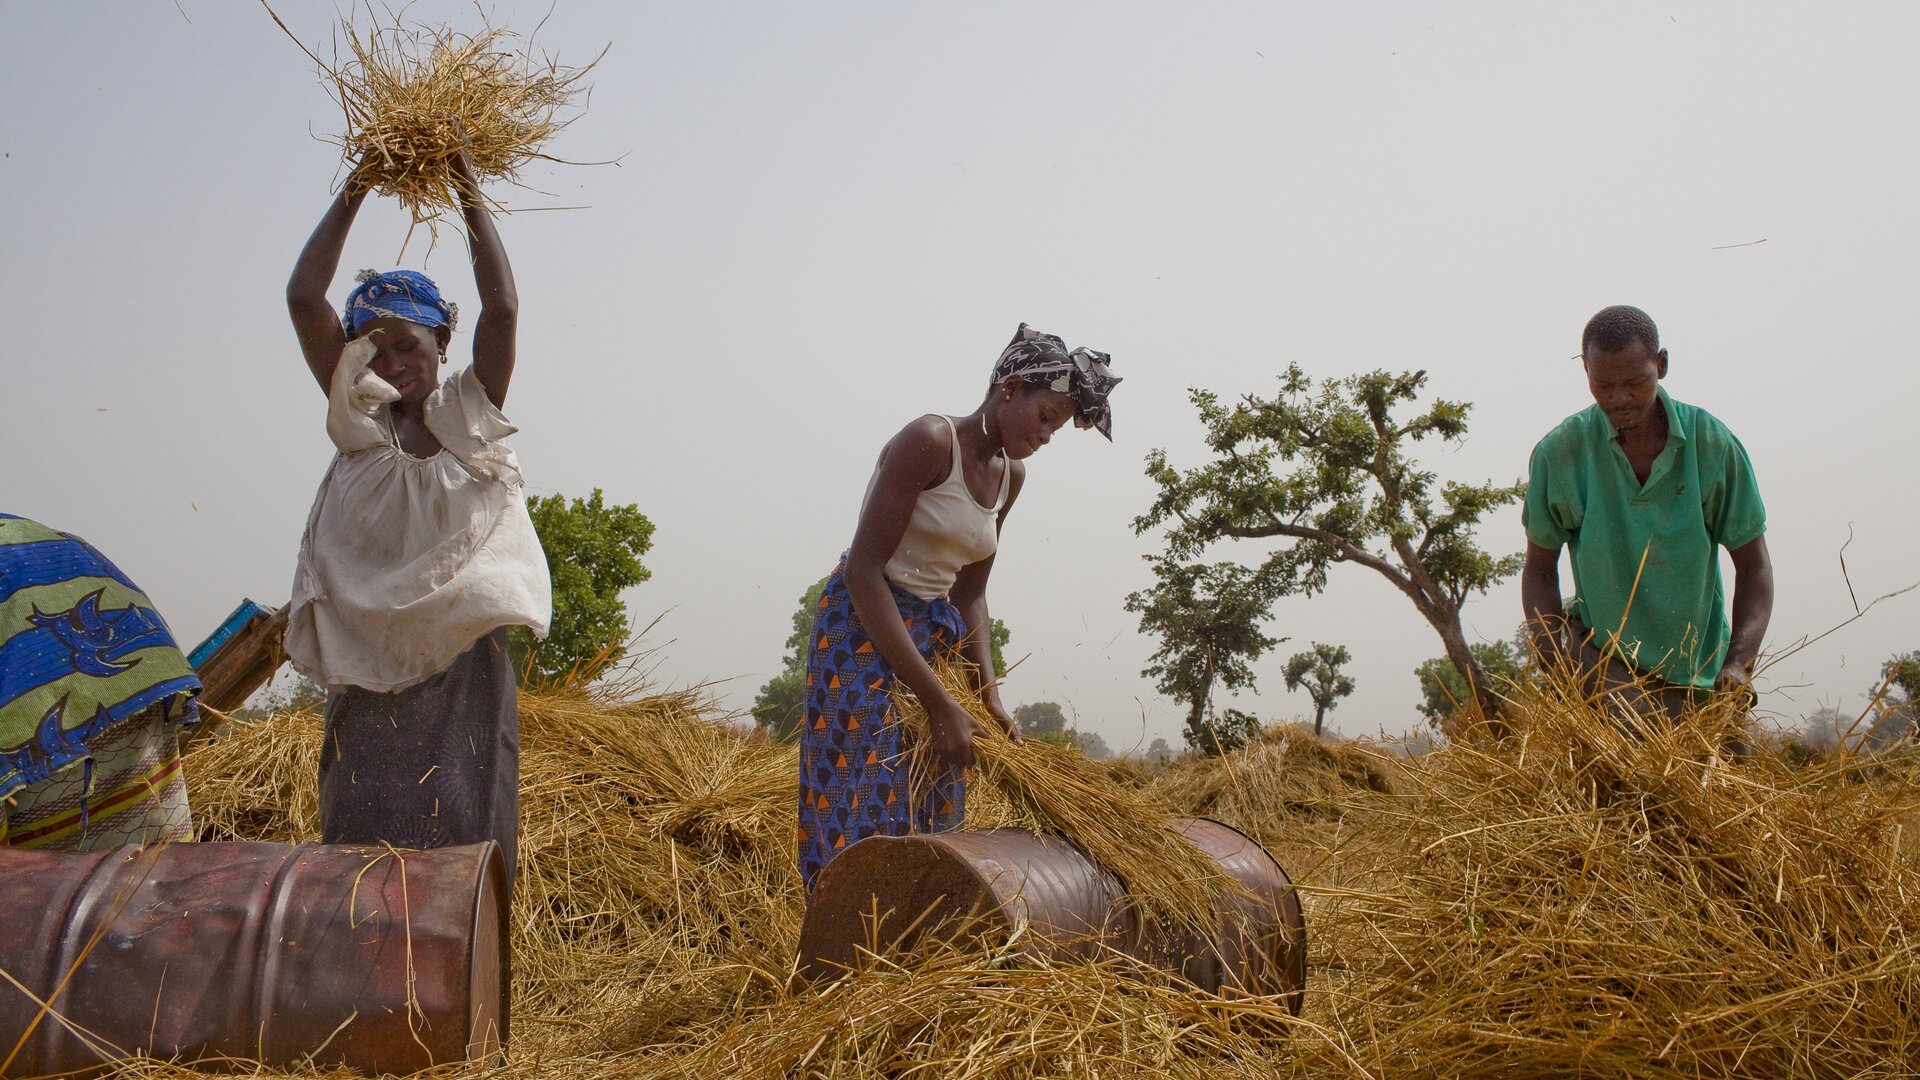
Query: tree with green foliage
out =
(782, 701)
(1046, 721)
(593, 554)
(997, 638)
(1225, 733)
(1091, 744)
(1825, 730)
(1443, 692)
(1159, 752)
(1207, 618)
(781, 704)
(1043, 720)
(1895, 701)
(1349, 493)
(1902, 672)
(1318, 672)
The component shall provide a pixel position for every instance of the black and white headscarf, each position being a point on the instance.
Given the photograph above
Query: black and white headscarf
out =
(1083, 375)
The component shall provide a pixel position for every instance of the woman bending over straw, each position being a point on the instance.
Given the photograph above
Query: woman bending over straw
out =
(915, 581)
(419, 552)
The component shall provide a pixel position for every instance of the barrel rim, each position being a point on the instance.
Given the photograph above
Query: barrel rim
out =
(491, 881)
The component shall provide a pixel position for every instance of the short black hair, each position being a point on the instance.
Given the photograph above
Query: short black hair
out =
(1617, 327)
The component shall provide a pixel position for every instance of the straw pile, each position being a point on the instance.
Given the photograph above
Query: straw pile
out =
(412, 95)
(1046, 788)
(1586, 900)
(1572, 901)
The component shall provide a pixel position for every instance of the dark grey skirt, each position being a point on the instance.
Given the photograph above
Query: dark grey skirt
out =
(434, 765)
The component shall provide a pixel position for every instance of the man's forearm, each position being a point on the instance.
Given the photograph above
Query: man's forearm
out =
(1752, 611)
(1546, 626)
(1540, 599)
(1752, 601)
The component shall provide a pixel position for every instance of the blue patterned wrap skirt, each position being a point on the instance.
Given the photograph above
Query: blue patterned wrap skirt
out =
(853, 749)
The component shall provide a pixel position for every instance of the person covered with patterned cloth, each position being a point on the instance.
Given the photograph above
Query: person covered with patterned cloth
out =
(93, 692)
(419, 551)
(914, 584)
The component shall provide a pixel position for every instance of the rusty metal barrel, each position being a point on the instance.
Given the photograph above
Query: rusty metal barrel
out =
(892, 896)
(384, 961)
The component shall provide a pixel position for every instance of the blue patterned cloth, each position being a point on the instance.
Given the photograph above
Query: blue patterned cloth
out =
(853, 749)
(81, 653)
(399, 294)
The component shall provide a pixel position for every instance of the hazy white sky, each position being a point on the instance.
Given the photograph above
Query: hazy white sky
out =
(829, 218)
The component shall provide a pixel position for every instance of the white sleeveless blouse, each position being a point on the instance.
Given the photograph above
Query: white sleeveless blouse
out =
(407, 561)
(948, 530)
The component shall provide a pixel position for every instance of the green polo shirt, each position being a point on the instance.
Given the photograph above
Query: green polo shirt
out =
(1700, 496)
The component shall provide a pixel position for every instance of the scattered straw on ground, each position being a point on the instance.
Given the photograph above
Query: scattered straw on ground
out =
(1573, 901)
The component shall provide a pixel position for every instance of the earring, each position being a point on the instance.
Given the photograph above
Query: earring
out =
(1007, 395)
(443, 358)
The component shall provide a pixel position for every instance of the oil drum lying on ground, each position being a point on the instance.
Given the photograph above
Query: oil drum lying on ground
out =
(893, 895)
(381, 960)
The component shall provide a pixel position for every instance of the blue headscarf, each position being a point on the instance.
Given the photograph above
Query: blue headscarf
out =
(402, 294)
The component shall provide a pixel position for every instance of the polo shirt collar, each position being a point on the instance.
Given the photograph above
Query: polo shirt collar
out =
(1679, 424)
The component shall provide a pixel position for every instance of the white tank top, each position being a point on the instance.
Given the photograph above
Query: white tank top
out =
(948, 529)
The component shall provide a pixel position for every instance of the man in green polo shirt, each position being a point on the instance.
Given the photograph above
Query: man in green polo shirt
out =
(1644, 491)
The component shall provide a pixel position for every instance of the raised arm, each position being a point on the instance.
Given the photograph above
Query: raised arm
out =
(916, 459)
(315, 322)
(970, 596)
(1752, 611)
(1546, 619)
(495, 330)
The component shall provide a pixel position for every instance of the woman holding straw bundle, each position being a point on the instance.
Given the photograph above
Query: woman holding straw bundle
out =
(419, 551)
(914, 585)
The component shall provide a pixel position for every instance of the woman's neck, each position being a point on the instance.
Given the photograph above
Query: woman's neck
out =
(979, 435)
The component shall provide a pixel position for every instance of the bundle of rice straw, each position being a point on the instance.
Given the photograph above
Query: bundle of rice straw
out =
(408, 93)
(1054, 789)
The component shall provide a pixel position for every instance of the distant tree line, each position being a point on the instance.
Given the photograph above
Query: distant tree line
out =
(1047, 722)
